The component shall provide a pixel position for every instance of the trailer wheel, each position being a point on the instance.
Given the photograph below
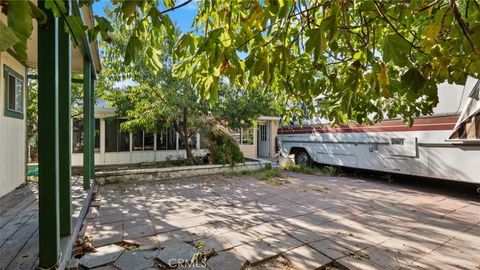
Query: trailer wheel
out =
(302, 158)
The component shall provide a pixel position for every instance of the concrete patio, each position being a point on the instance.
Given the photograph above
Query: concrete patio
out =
(308, 221)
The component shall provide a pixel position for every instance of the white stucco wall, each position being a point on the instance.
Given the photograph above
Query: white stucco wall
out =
(127, 157)
(273, 134)
(12, 133)
(111, 158)
(250, 151)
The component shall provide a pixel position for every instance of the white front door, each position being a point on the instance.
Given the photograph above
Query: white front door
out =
(263, 136)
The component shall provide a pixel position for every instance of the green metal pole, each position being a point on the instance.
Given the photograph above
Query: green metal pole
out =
(48, 207)
(92, 115)
(87, 124)
(64, 109)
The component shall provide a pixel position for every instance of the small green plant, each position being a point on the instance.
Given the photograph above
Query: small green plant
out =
(270, 173)
(322, 171)
(271, 176)
(234, 172)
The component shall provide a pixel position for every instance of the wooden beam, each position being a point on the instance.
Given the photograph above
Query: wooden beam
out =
(48, 197)
(64, 109)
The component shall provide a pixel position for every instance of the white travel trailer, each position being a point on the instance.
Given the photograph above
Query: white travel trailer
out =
(445, 145)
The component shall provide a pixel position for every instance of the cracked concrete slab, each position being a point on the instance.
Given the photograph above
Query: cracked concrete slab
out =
(176, 253)
(133, 260)
(104, 255)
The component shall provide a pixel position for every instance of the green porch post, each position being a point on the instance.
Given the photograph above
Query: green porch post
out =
(94, 131)
(87, 124)
(64, 110)
(48, 208)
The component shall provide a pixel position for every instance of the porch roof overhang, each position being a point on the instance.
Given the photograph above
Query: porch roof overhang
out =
(83, 50)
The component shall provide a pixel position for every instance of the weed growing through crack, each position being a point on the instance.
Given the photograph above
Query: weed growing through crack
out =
(321, 171)
(269, 175)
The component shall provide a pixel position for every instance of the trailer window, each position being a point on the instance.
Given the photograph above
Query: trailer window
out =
(398, 141)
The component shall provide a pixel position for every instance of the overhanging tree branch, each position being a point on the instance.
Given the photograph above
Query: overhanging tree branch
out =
(176, 7)
(276, 22)
(465, 29)
(394, 28)
(428, 6)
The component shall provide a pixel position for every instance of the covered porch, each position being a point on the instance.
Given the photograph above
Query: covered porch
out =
(19, 239)
(38, 219)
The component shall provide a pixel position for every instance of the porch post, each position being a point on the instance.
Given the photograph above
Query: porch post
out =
(48, 144)
(102, 136)
(94, 130)
(87, 123)
(64, 110)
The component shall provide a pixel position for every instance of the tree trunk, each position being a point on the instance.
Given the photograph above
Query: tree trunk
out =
(184, 135)
(188, 147)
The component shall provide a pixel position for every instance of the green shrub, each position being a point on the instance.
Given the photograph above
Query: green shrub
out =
(223, 148)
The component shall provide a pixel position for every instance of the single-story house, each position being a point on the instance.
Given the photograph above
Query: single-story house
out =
(113, 146)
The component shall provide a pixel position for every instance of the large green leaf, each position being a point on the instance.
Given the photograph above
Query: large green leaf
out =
(76, 27)
(20, 22)
(56, 6)
(413, 80)
(133, 47)
(37, 13)
(316, 42)
(7, 37)
(329, 25)
(395, 49)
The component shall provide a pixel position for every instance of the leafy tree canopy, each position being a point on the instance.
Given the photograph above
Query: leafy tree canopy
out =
(365, 59)
(156, 100)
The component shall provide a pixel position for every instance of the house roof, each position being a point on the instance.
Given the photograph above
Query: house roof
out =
(269, 118)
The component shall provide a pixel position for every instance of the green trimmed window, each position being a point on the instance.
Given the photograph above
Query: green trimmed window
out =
(13, 93)
(243, 136)
(247, 136)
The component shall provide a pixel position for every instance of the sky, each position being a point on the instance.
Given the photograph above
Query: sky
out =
(183, 17)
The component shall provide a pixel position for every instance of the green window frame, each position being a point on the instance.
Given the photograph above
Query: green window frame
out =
(16, 108)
